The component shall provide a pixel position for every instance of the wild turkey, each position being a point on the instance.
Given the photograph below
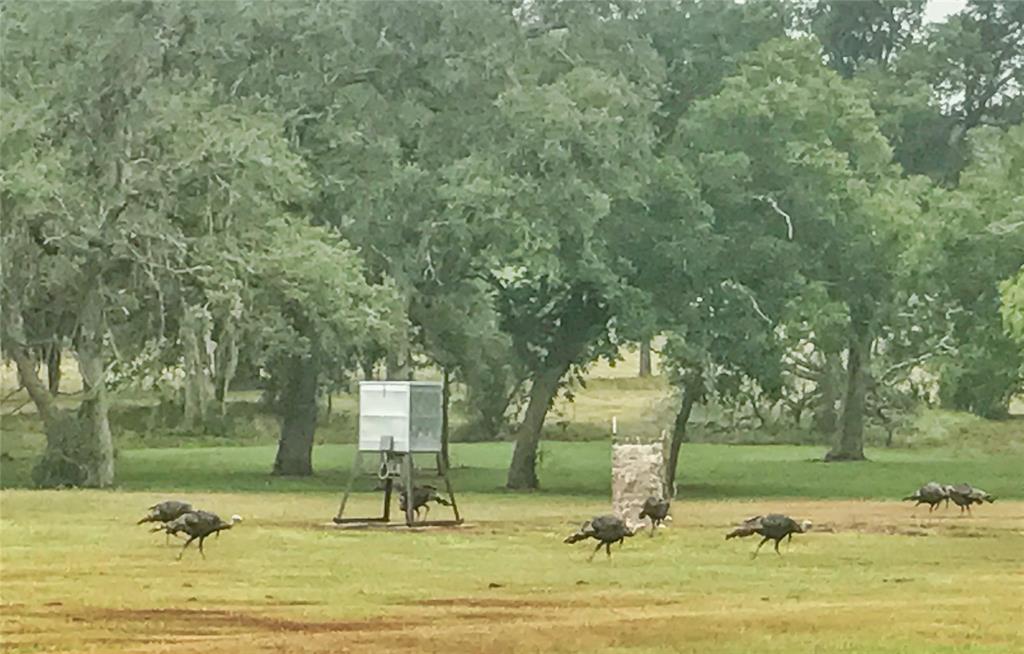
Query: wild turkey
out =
(772, 527)
(198, 524)
(656, 509)
(964, 495)
(606, 529)
(421, 496)
(166, 512)
(932, 494)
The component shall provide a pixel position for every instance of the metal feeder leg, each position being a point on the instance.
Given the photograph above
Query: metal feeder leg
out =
(356, 465)
(407, 481)
(387, 499)
(443, 469)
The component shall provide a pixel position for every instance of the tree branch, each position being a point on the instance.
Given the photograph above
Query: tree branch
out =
(12, 393)
(37, 392)
(746, 291)
(536, 31)
(18, 408)
(775, 205)
(942, 347)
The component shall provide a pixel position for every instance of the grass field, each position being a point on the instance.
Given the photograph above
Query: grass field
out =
(875, 575)
(78, 576)
(706, 471)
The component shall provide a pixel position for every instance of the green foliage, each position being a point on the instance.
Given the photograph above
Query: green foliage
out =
(153, 178)
(512, 189)
(1013, 305)
(477, 350)
(795, 133)
(855, 34)
(312, 297)
(983, 244)
(163, 201)
(800, 180)
(957, 75)
(974, 61)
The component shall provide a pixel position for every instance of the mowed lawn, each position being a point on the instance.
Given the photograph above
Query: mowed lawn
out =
(876, 575)
(79, 576)
(706, 471)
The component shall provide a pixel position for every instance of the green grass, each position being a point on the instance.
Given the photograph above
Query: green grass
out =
(706, 471)
(79, 576)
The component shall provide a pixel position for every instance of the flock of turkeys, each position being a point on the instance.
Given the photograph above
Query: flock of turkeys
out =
(178, 518)
(608, 530)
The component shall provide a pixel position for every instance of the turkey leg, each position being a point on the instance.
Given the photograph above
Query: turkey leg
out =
(187, 543)
(765, 540)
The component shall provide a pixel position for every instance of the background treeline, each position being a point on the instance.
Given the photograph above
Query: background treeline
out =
(815, 207)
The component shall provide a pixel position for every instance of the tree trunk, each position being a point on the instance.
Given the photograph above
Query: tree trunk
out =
(645, 358)
(398, 359)
(93, 413)
(61, 464)
(576, 329)
(693, 386)
(446, 397)
(755, 408)
(79, 448)
(825, 417)
(850, 446)
(38, 393)
(298, 418)
(397, 364)
(198, 387)
(53, 357)
(225, 365)
(522, 473)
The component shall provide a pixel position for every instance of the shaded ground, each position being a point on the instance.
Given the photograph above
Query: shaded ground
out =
(78, 576)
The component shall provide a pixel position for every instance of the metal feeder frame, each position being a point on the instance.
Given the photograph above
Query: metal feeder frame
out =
(385, 473)
(395, 444)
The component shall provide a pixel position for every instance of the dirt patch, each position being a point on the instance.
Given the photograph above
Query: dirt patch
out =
(396, 526)
(268, 600)
(211, 621)
(523, 606)
(905, 531)
(872, 527)
(966, 531)
(971, 534)
(493, 616)
(486, 603)
(913, 530)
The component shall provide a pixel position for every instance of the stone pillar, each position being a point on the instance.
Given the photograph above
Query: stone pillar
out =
(638, 471)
